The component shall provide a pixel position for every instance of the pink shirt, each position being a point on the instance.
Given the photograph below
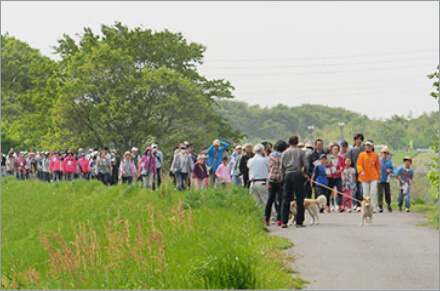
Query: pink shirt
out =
(224, 173)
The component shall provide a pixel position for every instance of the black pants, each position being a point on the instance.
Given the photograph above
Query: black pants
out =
(358, 195)
(332, 182)
(246, 182)
(293, 188)
(308, 189)
(159, 179)
(104, 178)
(275, 195)
(127, 180)
(381, 187)
(322, 191)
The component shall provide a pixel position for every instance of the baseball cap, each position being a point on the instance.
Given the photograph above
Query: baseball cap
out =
(322, 156)
(344, 144)
(238, 147)
(370, 142)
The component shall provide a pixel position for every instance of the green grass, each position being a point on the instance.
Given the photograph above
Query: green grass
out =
(78, 235)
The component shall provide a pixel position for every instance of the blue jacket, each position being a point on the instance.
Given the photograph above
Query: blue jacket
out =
(383, 170)
(215, 158)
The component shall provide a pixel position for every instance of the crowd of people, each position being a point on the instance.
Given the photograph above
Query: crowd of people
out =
(275, 174)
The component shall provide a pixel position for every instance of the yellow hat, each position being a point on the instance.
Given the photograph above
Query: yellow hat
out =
(216, 142)
(385, 150)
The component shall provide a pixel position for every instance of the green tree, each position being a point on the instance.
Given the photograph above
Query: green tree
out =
(433, 175)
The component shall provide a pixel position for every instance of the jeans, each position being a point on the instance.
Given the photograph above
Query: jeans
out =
(182, 179)
(10, 173)
(46, 177)
(70, 176)
(293, 188)
(405, 197)
(332, 182)
(236, 180)
(104, 178)
(381, 187)
(275, 194)
(85, 176)
(20, 176)
(370, 190)
(359, 193)
(127, 180)
(57, 175)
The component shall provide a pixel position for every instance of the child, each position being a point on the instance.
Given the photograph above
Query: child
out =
(405, 175)
(223, 172)
(319, 173)
(200, 172)
(348, 184)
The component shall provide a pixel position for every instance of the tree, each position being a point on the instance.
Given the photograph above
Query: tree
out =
(433, 175)
(130, 87)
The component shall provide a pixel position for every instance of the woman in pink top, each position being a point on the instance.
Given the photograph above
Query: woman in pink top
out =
(70, 166)
(55, 166)
(224, 172)
(335, 167)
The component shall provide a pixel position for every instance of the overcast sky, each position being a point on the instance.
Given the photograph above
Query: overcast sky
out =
(369, 57)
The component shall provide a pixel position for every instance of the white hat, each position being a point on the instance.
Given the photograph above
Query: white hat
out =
(238, 147)
(134, 149)
(90, 150)
(154, 145)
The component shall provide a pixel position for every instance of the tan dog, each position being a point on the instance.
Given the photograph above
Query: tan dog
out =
(311, 205)
(366, 211)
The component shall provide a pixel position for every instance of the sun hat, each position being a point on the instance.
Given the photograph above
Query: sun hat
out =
(301, 144)
(154, 145)
(370, 142)
(385, 150)
(407, 158)
(309, 145)
(127, 153)
(134, 149)
(216, 142)
(238, 147)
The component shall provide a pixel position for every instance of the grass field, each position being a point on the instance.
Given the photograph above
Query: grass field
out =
(84, 235)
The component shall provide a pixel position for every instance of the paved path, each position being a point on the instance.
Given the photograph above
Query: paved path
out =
(393, 253)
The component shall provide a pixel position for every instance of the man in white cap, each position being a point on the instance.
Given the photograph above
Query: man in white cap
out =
(258, 174)
(159, 164)
(235, 158)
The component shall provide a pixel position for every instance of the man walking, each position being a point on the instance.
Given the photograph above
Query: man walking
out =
(242, 166)
(258, 173)
(294, 166)
(353, 154)
(314, 160)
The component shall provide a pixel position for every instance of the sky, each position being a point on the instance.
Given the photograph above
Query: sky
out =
(368, 57)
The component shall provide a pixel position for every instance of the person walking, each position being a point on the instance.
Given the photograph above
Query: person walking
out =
(159, 165)
(223, 173)
(242, 166)
(335, 167)
(45, 167)
(181, 167)
(344, 149)
(405, 176)
(235, 158)
(368, 167)
(127, 169)
(20, 166)
(275, 186)
(10, 162)
(386, 170)
(135, 157)
(69, 166)
(115, 167)
(147, 168)
(294, 166)
(55, 166)
(319, 175)
(84, 165)
(348, 184)
(200, 172)
(103, 168)
(314, 160)
(215, 155)
(258, 174)
(353, 154)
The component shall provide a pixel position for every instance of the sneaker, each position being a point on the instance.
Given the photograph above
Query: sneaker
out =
(284, 226)
(380, 209)
(266, 223)
(400, 208)
(349, 210)
(341, 209)
(407, 209)
(300, 225)
(278, 223)
(328, 209)
(389, 208)
(358, 209)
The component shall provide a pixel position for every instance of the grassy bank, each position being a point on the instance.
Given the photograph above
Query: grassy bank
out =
(84, 235)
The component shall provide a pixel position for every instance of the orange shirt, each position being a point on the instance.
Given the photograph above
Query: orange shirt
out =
(368, 163)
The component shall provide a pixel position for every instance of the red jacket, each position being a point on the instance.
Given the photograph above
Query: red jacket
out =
(69, 165)
(20, 165)
(55, 164)
(333, 168)
(84, 162)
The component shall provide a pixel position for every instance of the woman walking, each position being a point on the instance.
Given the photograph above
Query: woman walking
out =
(147, 168)
(104, 168)
(127, 169)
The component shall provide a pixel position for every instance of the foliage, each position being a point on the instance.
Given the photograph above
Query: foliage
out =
(83, 235)
(280, 121)
(433, 175)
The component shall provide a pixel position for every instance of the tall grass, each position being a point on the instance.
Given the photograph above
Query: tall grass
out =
(78, 235)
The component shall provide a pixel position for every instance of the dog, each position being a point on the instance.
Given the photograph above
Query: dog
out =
(366, 211)
(311, 205)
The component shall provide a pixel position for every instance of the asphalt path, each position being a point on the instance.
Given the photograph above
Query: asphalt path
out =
(392, 253)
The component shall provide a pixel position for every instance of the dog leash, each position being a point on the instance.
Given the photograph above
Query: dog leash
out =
(325, 186)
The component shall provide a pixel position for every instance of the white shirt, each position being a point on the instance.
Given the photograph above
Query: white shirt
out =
(258, 167)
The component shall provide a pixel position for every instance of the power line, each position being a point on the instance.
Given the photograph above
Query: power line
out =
(315, 65)
(436, 50)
